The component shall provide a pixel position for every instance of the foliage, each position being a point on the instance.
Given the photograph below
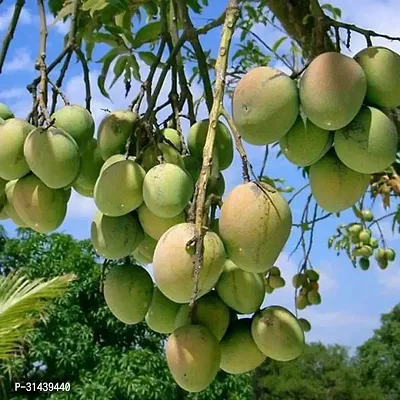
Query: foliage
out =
(82, 343)
(161, 34)
(20, 301)
(320, 373)
(379, 357)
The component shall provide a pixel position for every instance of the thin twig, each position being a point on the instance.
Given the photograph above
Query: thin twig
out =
(269, 48)
(10, 33)
(70, 46)
(298, 192)
(86, 76)
(153, 99)
(212, 24)
(59, 92)
(264, 164)
(239, 146)
(59, 82)
(193, 37)
(366, 32)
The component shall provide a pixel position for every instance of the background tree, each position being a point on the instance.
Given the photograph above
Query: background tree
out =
(323, 372)
(169, 43)
(378, 358)
(82, 343)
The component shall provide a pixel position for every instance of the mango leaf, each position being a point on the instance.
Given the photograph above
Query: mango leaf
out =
(277, 44)
(135, 67)
(114, 30)
(100, 37)
(147, 57)
(123, 21)
(147, 34)
(121, 5)
(119, 68)
(64, 12)
(94, 5)
(88, 36)
(336, 12)
(107, 59)
(56, 5)
(195, 6)
(151, 9)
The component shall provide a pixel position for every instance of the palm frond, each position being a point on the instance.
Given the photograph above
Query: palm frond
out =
(21, 301)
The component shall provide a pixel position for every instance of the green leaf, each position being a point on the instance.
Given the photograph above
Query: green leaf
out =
(277, 44)
(147, 34)
(114, 30)
(56, 5)
(123, 22)
(107, 59)
(147, 57)
(101, 37)
(195, 6)
(305, 227)
(119, 68)
(121, 5)
(336, 12)
(135, 67)
(19, 298)
(64, 12)
(94, 5)
(151, 9)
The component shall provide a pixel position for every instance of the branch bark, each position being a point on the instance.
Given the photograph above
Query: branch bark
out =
(302, 20)
(232, 15)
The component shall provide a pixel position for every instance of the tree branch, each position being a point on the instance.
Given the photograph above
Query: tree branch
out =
(193, 37)
(10, 33)
(70, 46)
(41, 63)
(86, 76)
(366, 32)
(232, 15)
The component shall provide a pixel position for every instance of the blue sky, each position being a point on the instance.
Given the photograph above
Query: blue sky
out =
(353, 300)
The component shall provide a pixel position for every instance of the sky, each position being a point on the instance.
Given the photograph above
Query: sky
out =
(352, 300)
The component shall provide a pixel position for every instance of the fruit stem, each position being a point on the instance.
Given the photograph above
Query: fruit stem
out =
(232, 15)
(239, 145)
(41, 64)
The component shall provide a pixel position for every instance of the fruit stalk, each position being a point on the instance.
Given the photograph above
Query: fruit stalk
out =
(232, 15)
(41, 63)
(239, 146)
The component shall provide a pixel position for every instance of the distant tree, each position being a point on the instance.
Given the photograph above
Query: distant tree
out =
(82, 343)
(379, 357)
(322, 372)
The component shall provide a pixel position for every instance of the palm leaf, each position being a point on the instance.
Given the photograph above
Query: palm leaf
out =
(21, 301)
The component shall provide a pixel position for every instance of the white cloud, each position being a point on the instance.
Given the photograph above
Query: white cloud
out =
(25, 17)
(339, 319)
(378, 16)
(14, 93)
(389, 279)
(21, 60)
(80, 207)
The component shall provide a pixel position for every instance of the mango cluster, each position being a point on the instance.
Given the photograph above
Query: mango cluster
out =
(143, 188)
(334, 122)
